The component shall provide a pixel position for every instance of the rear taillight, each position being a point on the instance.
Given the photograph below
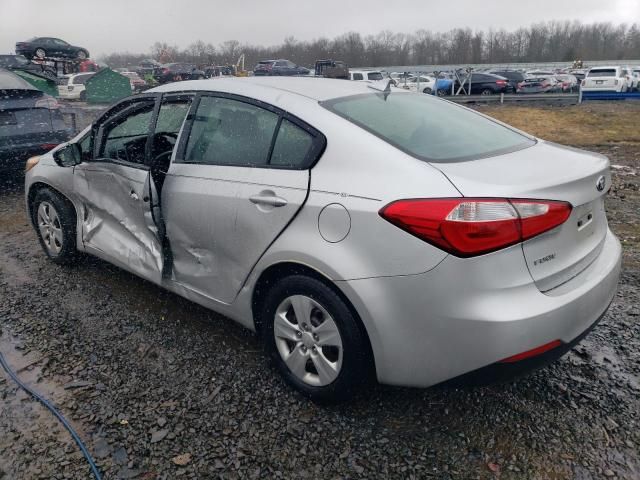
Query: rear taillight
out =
(501, 82)
(48, 102)
(467, 227)
(48, 146)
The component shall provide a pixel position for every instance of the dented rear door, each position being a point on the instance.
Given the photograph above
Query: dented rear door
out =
(238, 178)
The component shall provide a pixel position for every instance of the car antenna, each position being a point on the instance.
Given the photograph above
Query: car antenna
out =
(385, 92)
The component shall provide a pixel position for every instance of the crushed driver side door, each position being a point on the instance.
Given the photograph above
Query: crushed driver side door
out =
(118, 193)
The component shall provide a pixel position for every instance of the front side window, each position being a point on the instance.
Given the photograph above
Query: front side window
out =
(170, 118)
(125, 138)
(86, 147)
(426, 127)
(230, 132)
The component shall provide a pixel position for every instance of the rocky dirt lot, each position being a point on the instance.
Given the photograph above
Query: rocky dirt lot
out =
(160, 388)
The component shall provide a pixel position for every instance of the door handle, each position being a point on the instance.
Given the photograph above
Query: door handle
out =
(271, 200)
(134, 195)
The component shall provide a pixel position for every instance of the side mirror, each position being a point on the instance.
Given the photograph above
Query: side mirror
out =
(68, 156)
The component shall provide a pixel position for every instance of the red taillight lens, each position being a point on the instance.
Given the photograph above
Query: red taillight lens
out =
(48, 146)
(467, 227)
(501, 82)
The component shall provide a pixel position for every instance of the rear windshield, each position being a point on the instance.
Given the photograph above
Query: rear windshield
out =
(608, 72)
(428, 128)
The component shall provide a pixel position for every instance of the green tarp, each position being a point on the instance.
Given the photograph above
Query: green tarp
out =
(107, 86)
(41, 83)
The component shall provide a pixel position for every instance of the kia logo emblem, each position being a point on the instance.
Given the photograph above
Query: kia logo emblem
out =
(600, 183)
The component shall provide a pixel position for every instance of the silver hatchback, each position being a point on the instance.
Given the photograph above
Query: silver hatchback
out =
(364, 234)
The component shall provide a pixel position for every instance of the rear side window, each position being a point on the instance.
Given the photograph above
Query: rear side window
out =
(358, 76)
(605, 72)
(230, 132)
(374, 76)
(428, 128)
(80, 79)
(292, 146)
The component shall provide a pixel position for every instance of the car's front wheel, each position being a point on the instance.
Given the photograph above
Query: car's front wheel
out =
(55, 222)
(82, 55)
(314, 339)
(40, 53)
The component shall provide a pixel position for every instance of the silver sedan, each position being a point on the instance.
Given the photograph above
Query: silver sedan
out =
(363, 233)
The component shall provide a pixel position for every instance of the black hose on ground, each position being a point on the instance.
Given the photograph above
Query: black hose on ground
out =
(58, 415)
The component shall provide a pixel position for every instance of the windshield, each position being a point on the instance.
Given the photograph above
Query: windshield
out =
(428, 128)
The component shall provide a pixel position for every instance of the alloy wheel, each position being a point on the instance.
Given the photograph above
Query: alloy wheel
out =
(308, 340)
(40, 53)
(50, 228)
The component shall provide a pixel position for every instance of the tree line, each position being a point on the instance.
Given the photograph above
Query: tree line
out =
(554, 41)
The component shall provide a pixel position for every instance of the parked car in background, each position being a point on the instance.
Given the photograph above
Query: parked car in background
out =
(540, 73)
(20, 62)
(514, 77)
(606, 79)
(331, 69)
(147, 67)
(636, 74)
(540, 84)
(137, 83)
(30, 122)
(568, 82)
(42, 47)
(458, 244)
(71, 87)
(281, 67)
(486, 84)
(579, 73)
(365, 75)
(177, 72)
(427, 84)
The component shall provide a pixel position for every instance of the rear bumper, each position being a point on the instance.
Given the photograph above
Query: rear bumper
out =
(466, 314)
(616, 89)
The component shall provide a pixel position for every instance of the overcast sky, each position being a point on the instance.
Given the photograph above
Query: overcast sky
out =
(108, 26)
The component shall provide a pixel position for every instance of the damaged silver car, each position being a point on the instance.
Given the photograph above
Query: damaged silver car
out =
(357, 230)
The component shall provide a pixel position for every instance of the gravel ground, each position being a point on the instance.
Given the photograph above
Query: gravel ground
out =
(161, 388)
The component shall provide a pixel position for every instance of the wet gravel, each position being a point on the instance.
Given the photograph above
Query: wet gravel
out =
(161, 388)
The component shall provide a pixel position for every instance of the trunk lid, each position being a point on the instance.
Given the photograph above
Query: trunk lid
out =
(546, 171)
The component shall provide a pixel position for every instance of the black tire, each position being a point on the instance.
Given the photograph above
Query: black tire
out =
(357, 367)
(82, 54)
(39, 53)
(428, 91)
(487, 91)
(83, 96)
(66, 220)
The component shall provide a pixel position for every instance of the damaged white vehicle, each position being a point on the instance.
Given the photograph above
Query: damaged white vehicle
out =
(357, 230)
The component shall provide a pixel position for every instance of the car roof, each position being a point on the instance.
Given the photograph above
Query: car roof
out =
(314, 88)
(605, 67)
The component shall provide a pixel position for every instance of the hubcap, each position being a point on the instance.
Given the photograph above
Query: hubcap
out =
(308, 340)
(50, 228)
(40, 53)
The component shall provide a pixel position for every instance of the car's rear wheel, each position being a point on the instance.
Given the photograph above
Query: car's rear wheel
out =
(82, 55)
(314, 339)
(55, 222)
(40, 53)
